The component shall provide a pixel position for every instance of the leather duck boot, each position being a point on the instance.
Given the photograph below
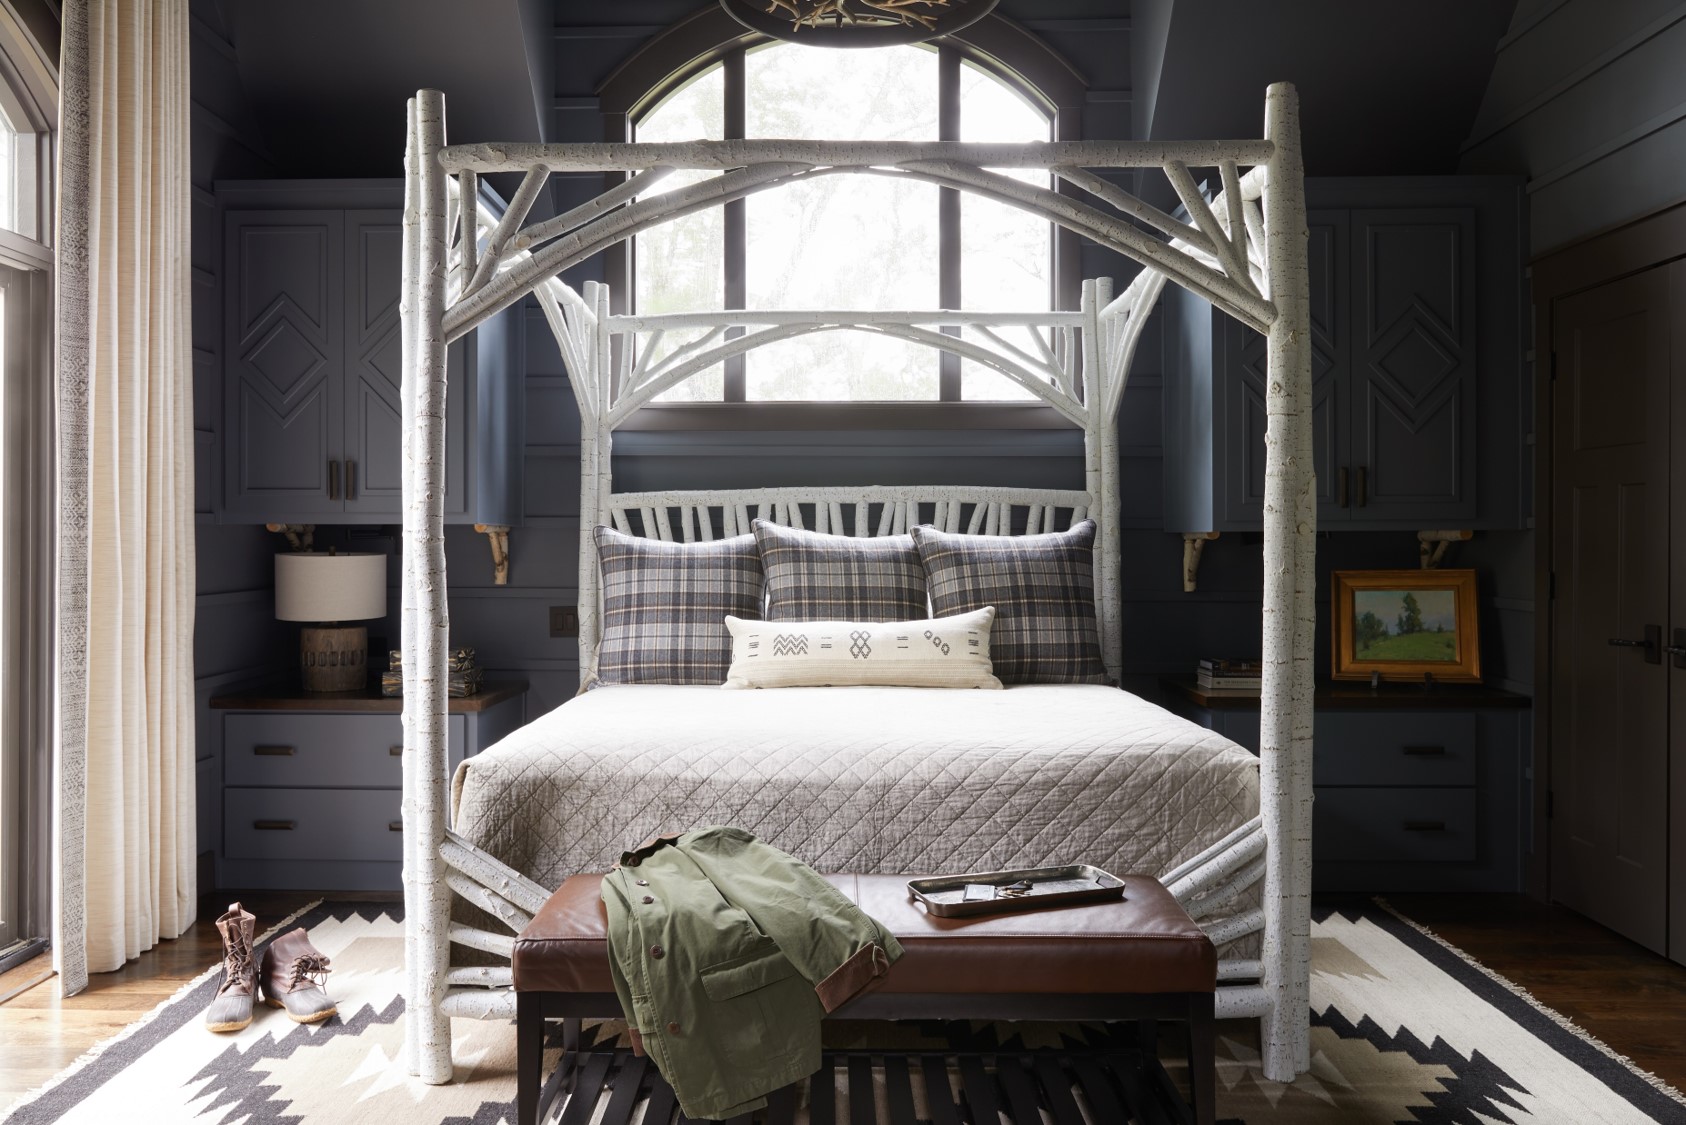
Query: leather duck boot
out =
(232, 1008)
(292, 977)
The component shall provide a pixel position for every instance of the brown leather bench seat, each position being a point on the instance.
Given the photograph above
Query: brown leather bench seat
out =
(1141, 957)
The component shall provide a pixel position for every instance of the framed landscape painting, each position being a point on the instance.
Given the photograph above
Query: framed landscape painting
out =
(1404, 624)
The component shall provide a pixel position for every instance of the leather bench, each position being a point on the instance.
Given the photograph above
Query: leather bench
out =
(1138, 959)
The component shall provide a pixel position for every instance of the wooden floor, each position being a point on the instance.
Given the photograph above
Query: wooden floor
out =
(1632, 999)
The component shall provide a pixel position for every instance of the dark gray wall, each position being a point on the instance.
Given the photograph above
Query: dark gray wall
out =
(1165, 629)
(1588, 99)
(236, 636)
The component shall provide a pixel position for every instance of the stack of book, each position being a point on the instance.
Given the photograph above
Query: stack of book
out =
(1229, 677)
(465, 671)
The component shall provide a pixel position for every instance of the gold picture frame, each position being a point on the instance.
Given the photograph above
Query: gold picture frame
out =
(1404, 625)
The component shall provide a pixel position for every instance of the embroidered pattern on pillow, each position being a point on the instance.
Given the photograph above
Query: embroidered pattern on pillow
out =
(816, 577)
(943, 652)
(665, 607)
(1043, 591)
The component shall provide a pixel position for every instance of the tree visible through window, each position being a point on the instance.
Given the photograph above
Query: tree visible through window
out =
(846, 242)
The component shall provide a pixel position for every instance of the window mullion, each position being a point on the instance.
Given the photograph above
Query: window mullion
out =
(948, 219)
(734, 232)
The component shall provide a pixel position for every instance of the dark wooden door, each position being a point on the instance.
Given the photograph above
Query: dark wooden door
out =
(284, 380)
(1413, 364)
(1610, 520)
(1242, 458)
(1676, 627)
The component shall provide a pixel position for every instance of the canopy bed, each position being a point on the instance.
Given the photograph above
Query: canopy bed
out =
(1244, 250)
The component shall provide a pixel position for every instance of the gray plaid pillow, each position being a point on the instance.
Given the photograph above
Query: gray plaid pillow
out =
(665, 607)
(814, 577)
(1043, 591)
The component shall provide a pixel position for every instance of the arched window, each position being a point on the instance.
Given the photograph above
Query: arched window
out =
(847, 241)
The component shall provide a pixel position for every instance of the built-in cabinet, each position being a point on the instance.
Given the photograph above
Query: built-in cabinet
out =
(312, 410)
(1415, 790)
(1416, 286)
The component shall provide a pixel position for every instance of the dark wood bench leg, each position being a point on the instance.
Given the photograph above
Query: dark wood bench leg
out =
(1202, 1063)
(529, 1056)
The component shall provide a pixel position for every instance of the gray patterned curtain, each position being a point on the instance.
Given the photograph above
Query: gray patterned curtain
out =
(126, 844)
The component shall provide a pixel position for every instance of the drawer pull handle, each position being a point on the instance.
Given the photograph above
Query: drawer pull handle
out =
(396, 751)
(395, 826)
(1426, 751)
(1425, 826)
(274, 751)
(274, 825)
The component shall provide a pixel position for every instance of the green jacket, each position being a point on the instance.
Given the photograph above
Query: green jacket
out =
(726, 952)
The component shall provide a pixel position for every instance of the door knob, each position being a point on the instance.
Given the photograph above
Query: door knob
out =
(1678, 648)
(1652, 645)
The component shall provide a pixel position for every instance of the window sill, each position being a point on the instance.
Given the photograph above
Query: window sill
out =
(754, 416)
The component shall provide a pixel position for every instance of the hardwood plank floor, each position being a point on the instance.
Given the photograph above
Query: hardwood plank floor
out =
(1632, 999)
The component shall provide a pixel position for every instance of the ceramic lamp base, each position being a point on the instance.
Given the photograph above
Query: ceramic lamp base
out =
(334, 657)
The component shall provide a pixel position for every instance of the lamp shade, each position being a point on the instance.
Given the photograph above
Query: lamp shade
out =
(313, 586)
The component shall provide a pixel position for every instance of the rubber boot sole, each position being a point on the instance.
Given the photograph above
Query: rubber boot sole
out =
(225, 1027)
(314, 1017)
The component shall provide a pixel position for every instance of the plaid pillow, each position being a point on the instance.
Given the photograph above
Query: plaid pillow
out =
(665, 607)
(814, 577)
(1043, 591)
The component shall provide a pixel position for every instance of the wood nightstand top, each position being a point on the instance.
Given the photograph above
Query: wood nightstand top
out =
(1358, 696)
(290, 697)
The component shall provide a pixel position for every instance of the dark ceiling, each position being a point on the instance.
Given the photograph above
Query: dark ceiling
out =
(1385, 88)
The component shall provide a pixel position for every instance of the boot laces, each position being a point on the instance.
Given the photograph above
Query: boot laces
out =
(308, 968)
(237, 961)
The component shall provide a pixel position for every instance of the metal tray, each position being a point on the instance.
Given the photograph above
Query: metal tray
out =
(1071, 885)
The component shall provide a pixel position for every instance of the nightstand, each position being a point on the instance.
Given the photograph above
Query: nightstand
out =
(1414, 790)
(312, 783)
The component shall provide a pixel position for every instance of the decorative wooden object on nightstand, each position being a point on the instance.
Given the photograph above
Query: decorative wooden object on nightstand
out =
(311, 782)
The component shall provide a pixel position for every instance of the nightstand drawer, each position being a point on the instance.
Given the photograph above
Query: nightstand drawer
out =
(324, 749)
(312, 824)
(1416, 825)
(1394, 748)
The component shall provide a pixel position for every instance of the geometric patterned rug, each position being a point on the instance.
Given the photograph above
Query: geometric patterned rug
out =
(1405, 1028)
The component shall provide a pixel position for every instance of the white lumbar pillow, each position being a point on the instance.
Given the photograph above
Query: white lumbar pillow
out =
(942, 652)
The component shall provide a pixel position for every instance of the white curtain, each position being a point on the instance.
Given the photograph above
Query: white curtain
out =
(126, 849)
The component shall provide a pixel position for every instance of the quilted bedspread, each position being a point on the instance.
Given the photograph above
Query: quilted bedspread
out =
(866, 779)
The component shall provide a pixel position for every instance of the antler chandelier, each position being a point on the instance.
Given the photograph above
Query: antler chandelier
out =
(856, 23)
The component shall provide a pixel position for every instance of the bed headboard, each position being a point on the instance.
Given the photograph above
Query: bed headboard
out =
(864, 511)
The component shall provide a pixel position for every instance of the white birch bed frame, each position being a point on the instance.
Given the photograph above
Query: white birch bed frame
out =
(1246, 252)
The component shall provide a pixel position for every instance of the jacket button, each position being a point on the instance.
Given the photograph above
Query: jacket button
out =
(673, 1029)
(648, 900)
(657, 952)
(642, 882)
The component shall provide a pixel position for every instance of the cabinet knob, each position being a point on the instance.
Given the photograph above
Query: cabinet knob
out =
(333, 480)
(351, 480)
(395, 826)
(396, 751)
(274, 751)
(1363, 480)
(274, 825)
(1426, 751)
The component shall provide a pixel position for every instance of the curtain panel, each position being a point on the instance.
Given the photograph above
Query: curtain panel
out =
(126, 848)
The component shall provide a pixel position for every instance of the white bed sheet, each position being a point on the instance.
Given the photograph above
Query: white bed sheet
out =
(864, 779)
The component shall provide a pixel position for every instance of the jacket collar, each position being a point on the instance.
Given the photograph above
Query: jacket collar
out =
(643, 851)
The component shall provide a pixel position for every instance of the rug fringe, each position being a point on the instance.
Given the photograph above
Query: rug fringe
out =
(87, 1057)
(1561, 1020)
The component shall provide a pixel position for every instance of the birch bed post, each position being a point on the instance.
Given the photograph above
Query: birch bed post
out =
(1245, 250)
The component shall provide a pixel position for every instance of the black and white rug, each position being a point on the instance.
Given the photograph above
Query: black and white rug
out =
(1404, 1029)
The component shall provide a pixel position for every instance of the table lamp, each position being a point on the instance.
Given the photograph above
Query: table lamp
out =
(326, 589)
